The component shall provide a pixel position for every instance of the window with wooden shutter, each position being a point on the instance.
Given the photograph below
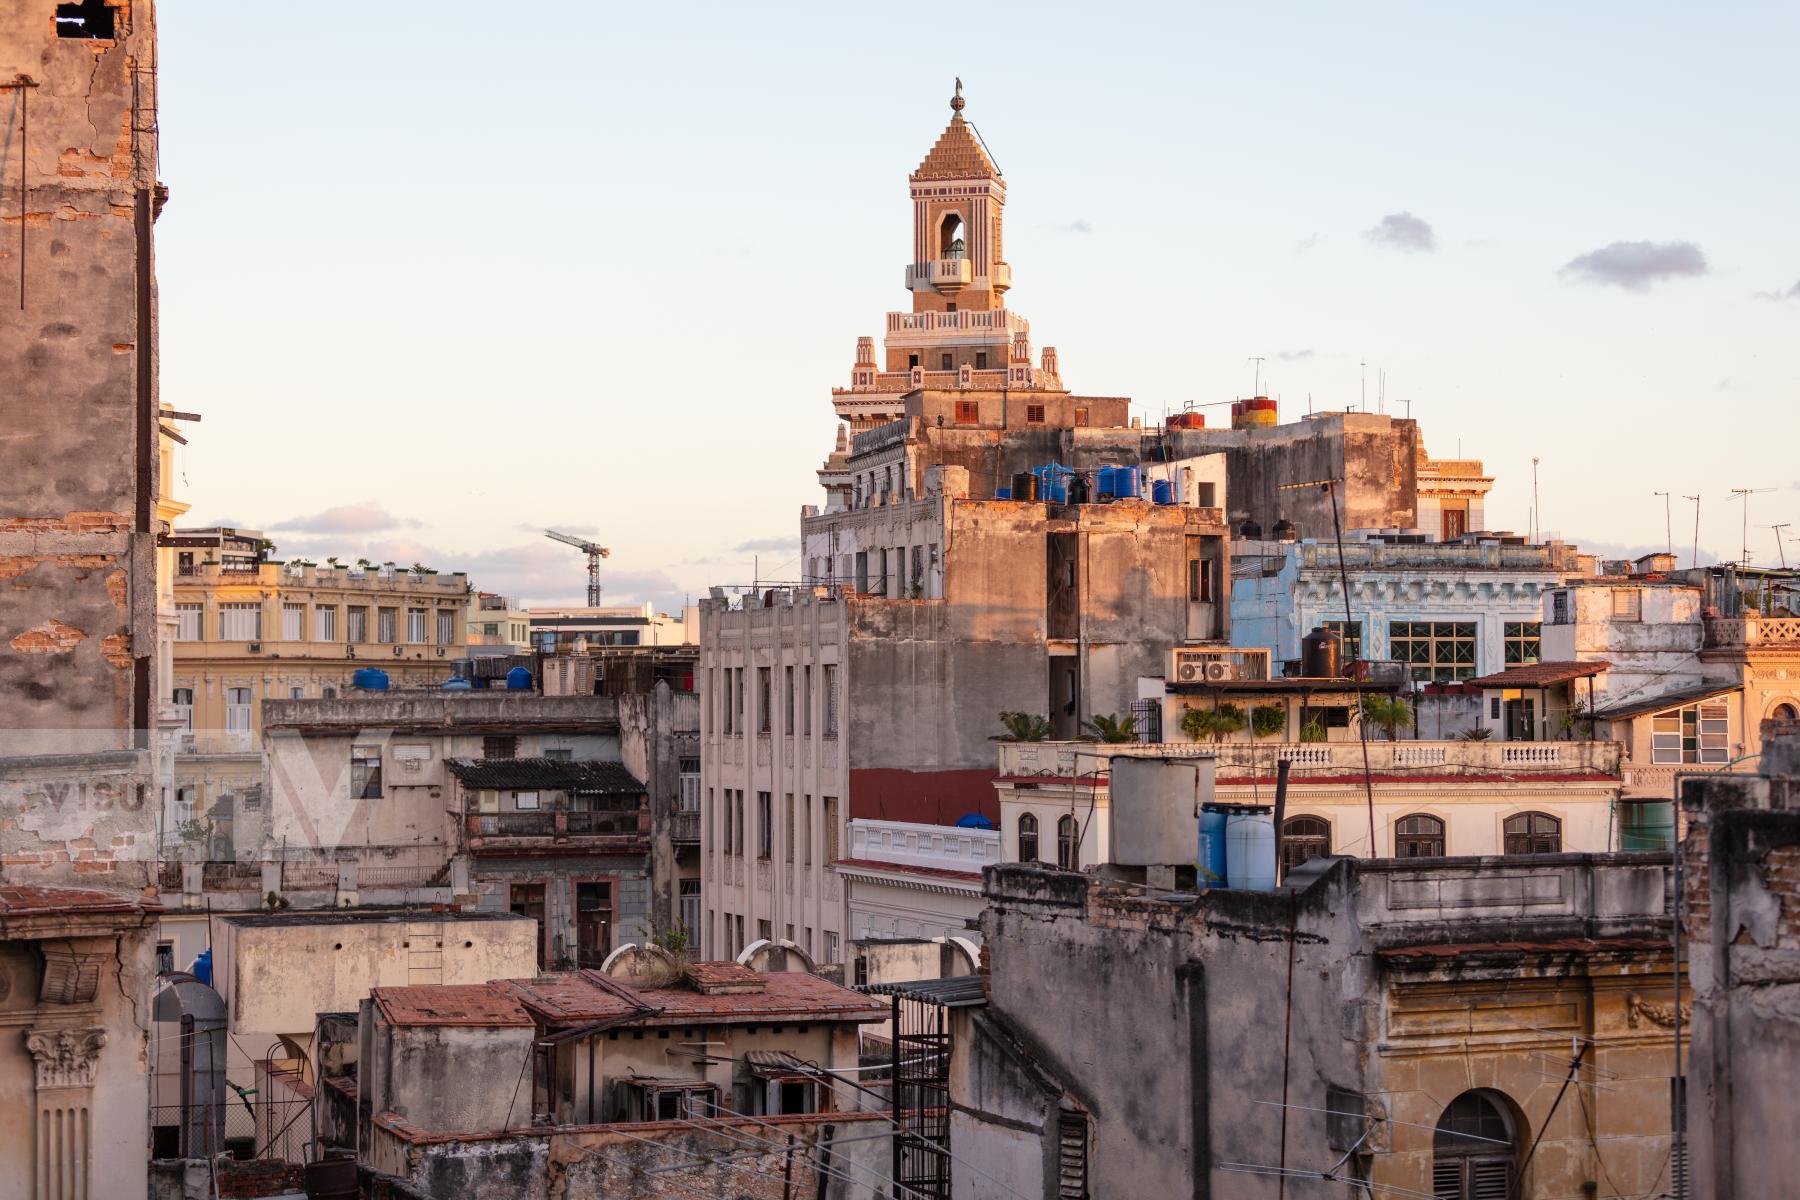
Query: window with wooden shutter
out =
(1072, 1156)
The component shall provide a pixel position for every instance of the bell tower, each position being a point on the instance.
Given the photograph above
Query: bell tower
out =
(958, 200)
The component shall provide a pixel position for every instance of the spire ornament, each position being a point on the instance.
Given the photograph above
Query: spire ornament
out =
(956, 101)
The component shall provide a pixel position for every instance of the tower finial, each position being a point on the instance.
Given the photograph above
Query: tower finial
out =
(956, 101)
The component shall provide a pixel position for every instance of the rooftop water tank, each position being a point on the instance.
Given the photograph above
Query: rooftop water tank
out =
(1125, 483)
(1211, 865)
(1250, 848)
(1162, 491)
(1321, 654)
(974, 821)
(518, 679)
(457, 685)
(370, 679)
(1025, 486)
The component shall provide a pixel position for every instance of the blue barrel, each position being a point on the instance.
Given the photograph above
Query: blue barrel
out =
(1004, 493)
(1104, 484)
(518, 679)
(201, 968)
(1125, 483)
(457, 685)
(1053, 484)
(1162, 491)
(1250, 849)
(370, 679)
(1211, 866)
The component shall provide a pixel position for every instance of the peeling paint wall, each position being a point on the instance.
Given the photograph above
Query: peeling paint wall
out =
(78, 471)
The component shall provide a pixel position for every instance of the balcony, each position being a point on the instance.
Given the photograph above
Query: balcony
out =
(940, 275)
(684, 828)
(558, 831)
(1429, 758)
(1753, 633)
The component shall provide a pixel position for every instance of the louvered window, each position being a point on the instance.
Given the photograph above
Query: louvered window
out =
(1072, 1156)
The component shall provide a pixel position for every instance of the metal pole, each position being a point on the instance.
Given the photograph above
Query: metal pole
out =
(1668, 520)
(1695, 561)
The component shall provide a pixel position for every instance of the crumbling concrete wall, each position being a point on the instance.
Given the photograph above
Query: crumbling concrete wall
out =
(658, 729)
(78, 471)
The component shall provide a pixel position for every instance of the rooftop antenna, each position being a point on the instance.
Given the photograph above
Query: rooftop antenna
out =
(1256, 387)
(1695, 561)
(1537, 522)
(1381, 390)
(1362, 387)
(1779, 547)
(1744, 494)
(1668, 520)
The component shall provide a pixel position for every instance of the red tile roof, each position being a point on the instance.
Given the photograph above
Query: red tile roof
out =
(1540, 674)
(479, 1004)
(721, 976)
(33, 901)
(874, 864)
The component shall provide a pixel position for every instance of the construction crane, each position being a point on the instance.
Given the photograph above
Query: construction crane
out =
(595, 553)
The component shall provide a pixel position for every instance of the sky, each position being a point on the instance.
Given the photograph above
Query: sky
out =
(441, 277)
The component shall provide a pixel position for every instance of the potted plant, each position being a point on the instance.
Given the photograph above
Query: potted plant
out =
(1267, 720)
(1313, 730)
(1113, 729)
(1023, 727)
(1387, 713)
(1479, 733)
(1216, 723)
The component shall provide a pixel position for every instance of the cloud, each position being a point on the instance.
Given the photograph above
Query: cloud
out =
(767, 545)
(1403, 231)
(1078, 225)
(1792, 293)
(1617, 550)
(1293, 355)
(1308, 242)
(367, 517)
(1634, 266)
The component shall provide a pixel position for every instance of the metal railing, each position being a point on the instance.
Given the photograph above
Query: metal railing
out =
(245, 1128)
(684, 828)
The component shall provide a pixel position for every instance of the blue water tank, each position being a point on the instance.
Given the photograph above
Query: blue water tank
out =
(518, 679)
(370, 679)
(1004, 493)
(1250, 848)
(1053, 483)
(1211, 865)
(1125, 483)
(457, 685)
(202, 967)
(973, 821)
(1162, 491)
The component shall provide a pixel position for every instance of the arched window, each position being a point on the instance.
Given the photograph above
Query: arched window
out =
(1475, 1149)
(1028, 838)
(951, 243)
(1533, 833)
(1418, 836)
(1785, 712)
(1068, 844)
(1303, 838)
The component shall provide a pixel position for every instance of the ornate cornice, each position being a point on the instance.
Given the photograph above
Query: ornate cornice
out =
(65, 1057)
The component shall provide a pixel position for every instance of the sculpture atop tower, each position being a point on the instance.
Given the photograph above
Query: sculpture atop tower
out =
(958, 199)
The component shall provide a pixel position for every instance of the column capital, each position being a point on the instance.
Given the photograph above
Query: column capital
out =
(65, 1057)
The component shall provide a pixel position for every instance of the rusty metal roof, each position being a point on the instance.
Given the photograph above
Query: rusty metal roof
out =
(1540, 674)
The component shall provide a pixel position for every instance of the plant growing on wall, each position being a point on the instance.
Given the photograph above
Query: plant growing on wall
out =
(332, 562)
(1480, 733)
(1215, 723)
(1112, 728)
(1267, 720)
(1387, 713)
(1023, 727)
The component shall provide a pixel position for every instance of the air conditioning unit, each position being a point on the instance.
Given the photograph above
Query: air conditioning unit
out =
(1219, 669)
(254, 647)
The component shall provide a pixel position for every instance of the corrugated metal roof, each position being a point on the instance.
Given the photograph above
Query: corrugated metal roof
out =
(1637, 708)
(1540, 674)
(956, 991)
(547, 773)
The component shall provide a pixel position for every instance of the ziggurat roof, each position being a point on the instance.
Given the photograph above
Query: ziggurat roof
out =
(957, 155)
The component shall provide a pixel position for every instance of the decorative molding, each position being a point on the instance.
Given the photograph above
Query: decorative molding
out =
(1639, 1010)
(65, 1058)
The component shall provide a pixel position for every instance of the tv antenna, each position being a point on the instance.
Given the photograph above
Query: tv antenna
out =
(1780, 548)
(1256, 387)
(1668, 521)
(1744, 494)
(1695, 561)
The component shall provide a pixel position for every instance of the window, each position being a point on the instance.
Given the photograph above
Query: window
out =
(981, 360)
(188, 619)
(1473, 1150)
(240, 622)
(1303, 838)
(527, 900)
(737, 696)
(1081, 417)
(1522, 639)
(688, 799)
(725, 822)
(1628, 604)
(1200, 580)
(1418, 836)
(238, 713)
(91, 19)
(165, 957)
(415, 626)
(365, 772)
(293, 622)
(831, 828)
(788, 726)
(762, 699)
(296, 693)
(690, 908)
(1068, 843)
(525, 801)
(500, 745)
(806, 703)
(788, 852)
(1072, 1139)
(968, 412)
(1034, 414)
(386, 621)
(830, 947)
(1533, 833)
(183, 699)
(806, 840)
(1698, 733)
(945, 362)
(765, 825)
(764, 931)
(446, 627)
(831, 700)
(356, 628)
(1028, 838)
(739, 842)
(1434, 650)
(1351, 635)
(325, 624)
